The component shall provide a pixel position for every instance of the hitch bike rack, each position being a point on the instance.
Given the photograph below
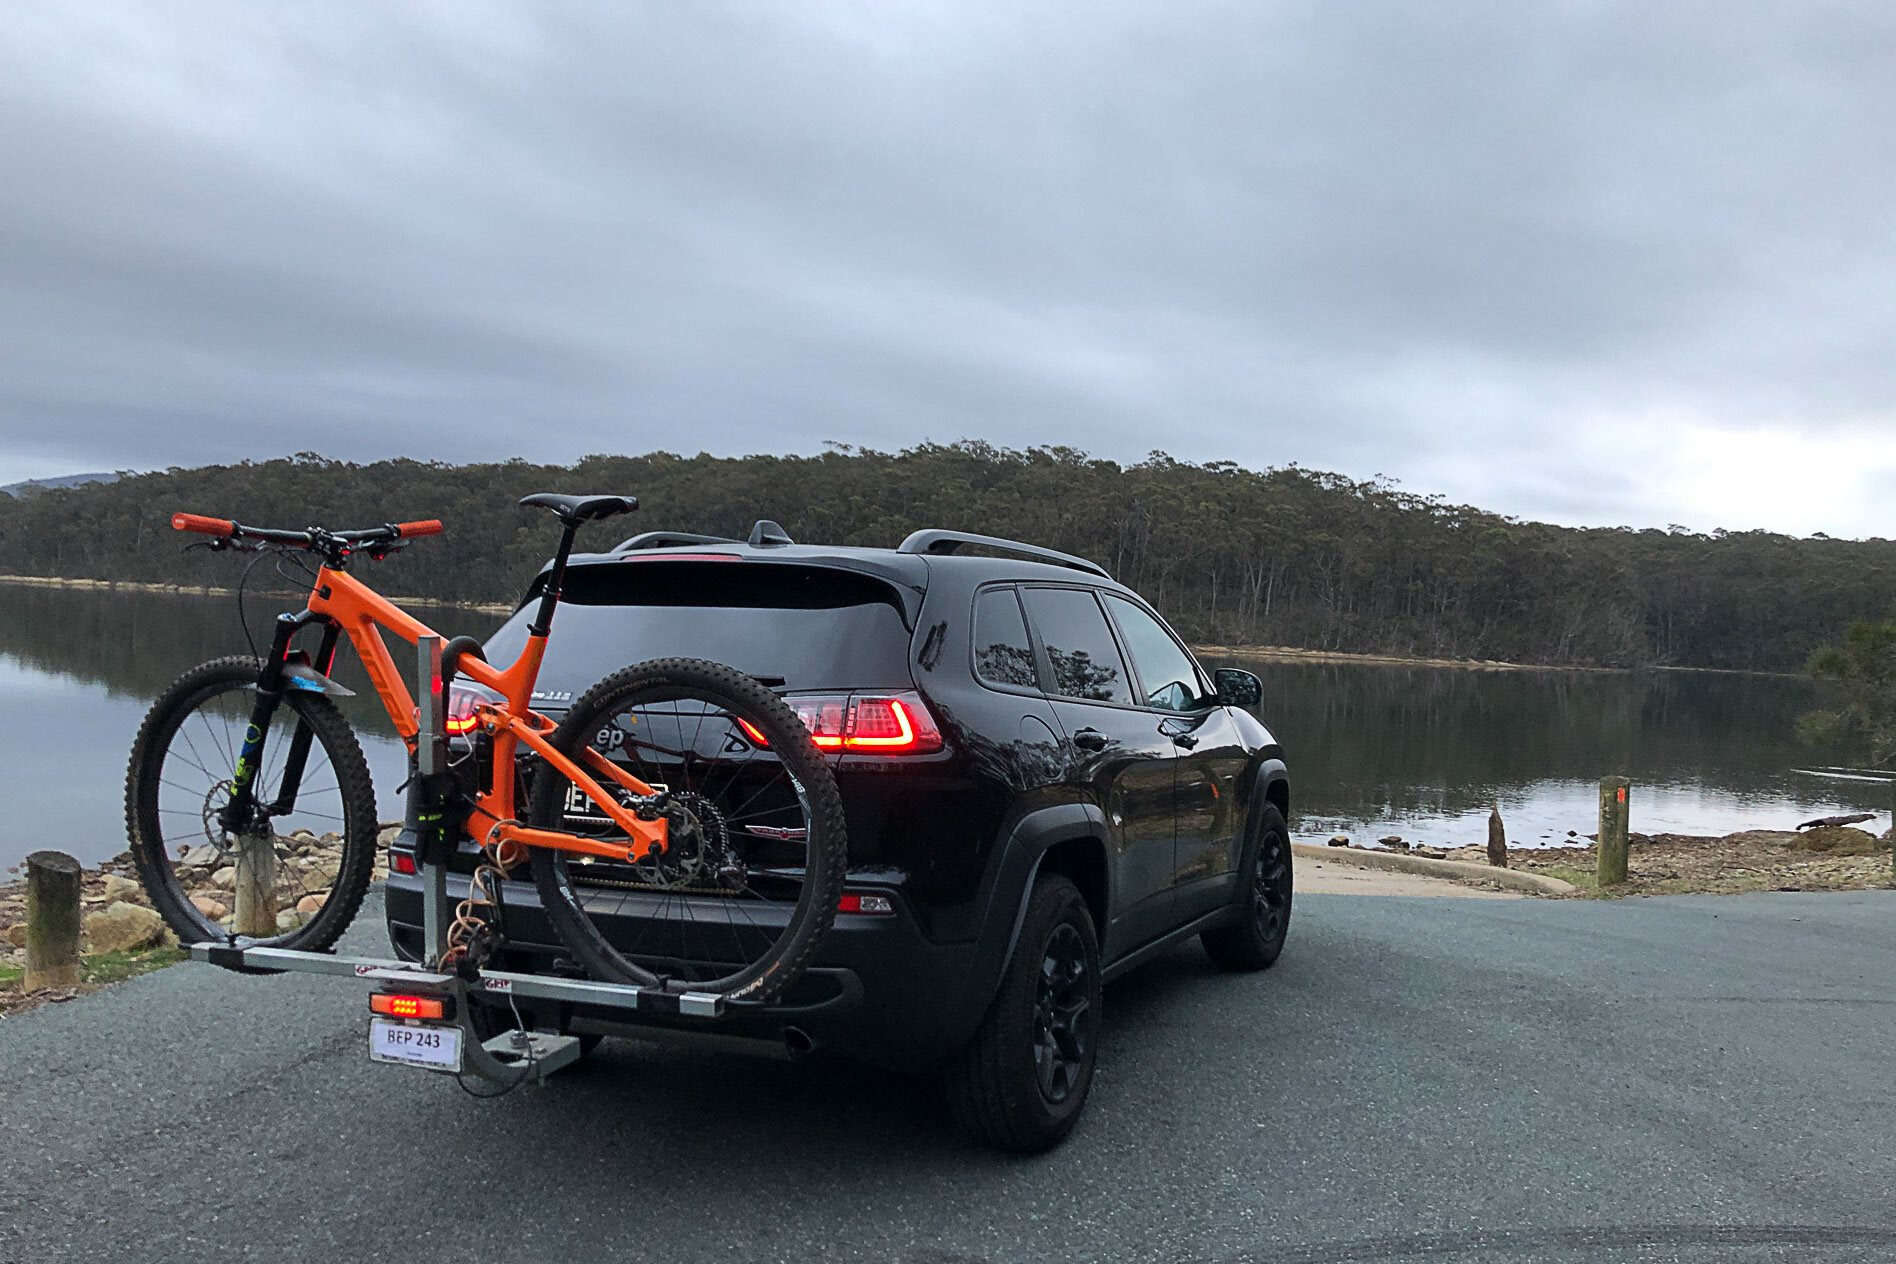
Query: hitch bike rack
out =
(511, 1057)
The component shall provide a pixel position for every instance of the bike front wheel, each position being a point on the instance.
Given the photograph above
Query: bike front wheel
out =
(321, 823)
(748, 883)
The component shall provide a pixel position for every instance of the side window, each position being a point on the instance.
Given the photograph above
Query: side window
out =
(1080, 645)
(1166, 672)
(1002, 653)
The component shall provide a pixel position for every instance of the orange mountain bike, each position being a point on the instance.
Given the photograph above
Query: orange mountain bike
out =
(678, 797)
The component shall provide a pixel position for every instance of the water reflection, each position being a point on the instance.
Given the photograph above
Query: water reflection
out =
(1373, 750)
(1422, 752)
(79, 668)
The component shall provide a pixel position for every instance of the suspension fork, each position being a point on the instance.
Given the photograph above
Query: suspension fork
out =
(243, 811)
(298, 756)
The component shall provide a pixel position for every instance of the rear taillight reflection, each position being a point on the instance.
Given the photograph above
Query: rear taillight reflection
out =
(886, 724)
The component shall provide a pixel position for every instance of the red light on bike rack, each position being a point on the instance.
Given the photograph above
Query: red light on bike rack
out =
(405, 1005)
(403, 863)
(874, 905)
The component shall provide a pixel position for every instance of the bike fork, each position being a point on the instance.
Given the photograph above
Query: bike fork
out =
(241, 814)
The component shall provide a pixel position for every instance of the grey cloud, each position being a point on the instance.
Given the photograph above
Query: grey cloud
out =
(1487, 249)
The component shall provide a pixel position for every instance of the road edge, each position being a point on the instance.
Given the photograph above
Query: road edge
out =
(1454, 870)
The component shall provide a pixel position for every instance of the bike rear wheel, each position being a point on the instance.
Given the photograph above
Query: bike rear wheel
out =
(182, 767)
(748, 884)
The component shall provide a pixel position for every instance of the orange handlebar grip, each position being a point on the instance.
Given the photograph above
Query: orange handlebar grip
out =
(202, 525)
(427, 526)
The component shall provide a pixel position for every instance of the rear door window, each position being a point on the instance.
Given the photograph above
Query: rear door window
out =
(1003, 654)
(1081, 652)
(1167, 675)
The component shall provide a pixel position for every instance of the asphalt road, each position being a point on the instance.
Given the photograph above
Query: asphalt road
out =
(1445, 1080)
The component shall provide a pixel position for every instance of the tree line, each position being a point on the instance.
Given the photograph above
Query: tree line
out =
(1282, 556)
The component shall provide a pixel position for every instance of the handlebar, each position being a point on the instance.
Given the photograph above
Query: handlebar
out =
(315, 538)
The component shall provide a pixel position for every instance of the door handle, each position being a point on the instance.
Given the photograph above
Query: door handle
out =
(1089, 739)
(1184, 739)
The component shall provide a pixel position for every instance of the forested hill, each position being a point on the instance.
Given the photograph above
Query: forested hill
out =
(1282, 557)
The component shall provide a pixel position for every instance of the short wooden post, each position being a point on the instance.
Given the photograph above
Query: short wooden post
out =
(52, 920)
(256, 912)
(1615, 812)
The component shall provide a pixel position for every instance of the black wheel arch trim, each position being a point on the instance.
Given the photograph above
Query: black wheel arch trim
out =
(1032, 837)
(1270, 773)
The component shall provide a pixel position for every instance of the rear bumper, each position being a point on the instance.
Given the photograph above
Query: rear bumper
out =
(879, 989)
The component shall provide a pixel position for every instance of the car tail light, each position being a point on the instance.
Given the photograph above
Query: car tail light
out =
(879, 723)
(403, 862)
(875, 905)
(462, 699)
(408, 1005)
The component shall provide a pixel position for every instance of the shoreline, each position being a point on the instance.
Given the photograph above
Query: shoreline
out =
(1293, 654)
(1262, 653)
(213, 590)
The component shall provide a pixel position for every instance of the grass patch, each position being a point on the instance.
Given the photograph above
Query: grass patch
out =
(103, 968)
(116, 967)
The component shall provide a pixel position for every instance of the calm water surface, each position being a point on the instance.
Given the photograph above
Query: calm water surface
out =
(1374, 750)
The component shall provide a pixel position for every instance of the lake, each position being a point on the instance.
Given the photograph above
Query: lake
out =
(1373, 750)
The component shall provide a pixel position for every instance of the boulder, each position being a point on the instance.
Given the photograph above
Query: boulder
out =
(16, 935)
(212, 908)
(310, 905)
(1341, 840)
(202, 856)
(225, 877)
(1431, 853)
(1394, 843)
(321, 870)
(123, 927)
(118, 888)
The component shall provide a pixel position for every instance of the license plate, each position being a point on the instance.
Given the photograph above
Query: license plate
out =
(415, 1044)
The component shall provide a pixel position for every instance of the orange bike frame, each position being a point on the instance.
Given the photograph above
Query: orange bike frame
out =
(360, 611)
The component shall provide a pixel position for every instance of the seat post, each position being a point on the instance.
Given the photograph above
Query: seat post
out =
(555, 579)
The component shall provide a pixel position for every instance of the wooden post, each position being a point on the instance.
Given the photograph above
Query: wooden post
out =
(52, 920)
(1615, 812)
(256, 912)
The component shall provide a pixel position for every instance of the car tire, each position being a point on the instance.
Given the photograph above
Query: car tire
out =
(1021, 1083)
(1255, 940)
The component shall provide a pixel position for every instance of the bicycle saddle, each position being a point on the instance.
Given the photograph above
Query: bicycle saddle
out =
(580, 508)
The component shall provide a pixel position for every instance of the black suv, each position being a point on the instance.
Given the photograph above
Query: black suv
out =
(1075, 794)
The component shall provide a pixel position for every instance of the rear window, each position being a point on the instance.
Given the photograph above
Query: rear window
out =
(802, 627)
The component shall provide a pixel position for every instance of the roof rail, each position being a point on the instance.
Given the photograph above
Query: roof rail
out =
(666, 539)
(938, 541)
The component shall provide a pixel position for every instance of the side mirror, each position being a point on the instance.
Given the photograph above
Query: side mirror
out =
(1237, 688)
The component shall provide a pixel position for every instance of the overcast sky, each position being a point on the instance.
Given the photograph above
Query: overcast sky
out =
(1586, 263)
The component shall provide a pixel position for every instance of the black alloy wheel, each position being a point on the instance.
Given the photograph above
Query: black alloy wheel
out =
(1255, 938)
(1022, 1081)
(1270, 886)
(1063, 1015)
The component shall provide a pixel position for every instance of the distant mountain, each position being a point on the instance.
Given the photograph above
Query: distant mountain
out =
(64, 480)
